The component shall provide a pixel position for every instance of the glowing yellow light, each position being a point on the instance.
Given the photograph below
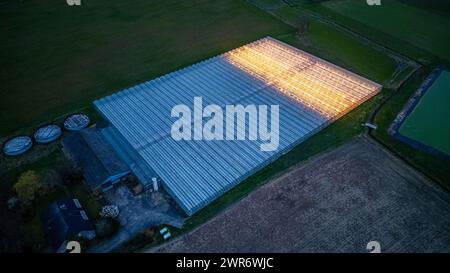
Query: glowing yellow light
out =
(311, 81)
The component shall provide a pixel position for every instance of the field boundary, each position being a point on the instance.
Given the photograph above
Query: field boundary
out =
(404, 63)
(405, 66)
(407, 110)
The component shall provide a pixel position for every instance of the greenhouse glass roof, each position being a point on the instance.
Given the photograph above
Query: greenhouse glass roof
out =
(311, 93)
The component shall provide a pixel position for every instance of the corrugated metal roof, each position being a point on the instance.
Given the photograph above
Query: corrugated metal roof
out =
(95, 156)
(310, 93)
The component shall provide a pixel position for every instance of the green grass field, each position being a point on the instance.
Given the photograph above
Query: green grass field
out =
(341, 48)
(56, 59)
(428, 122)
(419, 27)
(440, 7)
(368, 62)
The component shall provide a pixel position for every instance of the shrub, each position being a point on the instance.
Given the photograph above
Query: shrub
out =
(29, 187)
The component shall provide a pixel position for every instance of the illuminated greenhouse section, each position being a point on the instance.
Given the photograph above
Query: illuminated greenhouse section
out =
(311, 93)
(310, 80)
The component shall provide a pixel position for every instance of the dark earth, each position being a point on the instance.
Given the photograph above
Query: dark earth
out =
(335, 202)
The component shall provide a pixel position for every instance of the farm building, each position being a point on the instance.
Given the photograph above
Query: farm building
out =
(310, 92)
(63, 220)
(97, 159)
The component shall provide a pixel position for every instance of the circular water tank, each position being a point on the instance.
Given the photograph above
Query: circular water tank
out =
(76, 122)
(48, 133)
(17, 145)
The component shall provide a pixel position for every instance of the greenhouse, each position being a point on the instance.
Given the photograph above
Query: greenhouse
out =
(310, 92)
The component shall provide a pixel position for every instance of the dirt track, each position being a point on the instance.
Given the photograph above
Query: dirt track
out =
(336, 202)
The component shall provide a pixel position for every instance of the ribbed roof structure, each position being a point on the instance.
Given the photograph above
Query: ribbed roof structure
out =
(311, 93)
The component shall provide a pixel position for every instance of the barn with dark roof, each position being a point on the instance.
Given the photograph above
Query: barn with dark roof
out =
(65, 219)
(98, 161)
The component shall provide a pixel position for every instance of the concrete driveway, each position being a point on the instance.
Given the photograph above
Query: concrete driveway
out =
(138, 213)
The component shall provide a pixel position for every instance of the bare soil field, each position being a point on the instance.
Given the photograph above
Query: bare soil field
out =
(335, 202)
